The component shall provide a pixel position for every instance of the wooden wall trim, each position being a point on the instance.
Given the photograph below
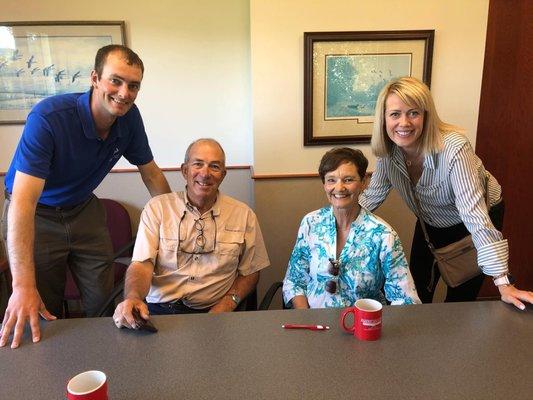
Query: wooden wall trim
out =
(256, 177)
(283, 176)
(232, 167)
(166, 169)
(259, 177)
(172, 169)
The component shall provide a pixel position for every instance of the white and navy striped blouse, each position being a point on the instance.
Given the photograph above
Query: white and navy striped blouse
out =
(451, 190)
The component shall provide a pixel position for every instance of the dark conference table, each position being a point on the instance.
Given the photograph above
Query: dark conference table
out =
(480, 350)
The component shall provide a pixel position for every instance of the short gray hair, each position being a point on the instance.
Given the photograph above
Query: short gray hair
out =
(207, 140)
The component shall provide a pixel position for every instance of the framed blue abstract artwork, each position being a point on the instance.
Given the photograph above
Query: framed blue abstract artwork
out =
(344, 73)
(41, 59)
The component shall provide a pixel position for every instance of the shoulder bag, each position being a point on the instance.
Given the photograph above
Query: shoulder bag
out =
(457, 262)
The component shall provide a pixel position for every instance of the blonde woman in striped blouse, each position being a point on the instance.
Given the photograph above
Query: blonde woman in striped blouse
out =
(415, 147)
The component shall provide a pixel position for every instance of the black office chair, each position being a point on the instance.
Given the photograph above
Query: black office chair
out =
(269, 295)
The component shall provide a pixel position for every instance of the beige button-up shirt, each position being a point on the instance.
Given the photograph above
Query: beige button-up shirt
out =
(167, 237)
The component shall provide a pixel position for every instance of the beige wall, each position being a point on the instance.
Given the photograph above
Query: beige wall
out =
(196, 82)
(208, 61)
(277, 28)
(197, 69)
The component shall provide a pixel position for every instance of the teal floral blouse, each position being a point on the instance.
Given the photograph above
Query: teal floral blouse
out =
(371, 259)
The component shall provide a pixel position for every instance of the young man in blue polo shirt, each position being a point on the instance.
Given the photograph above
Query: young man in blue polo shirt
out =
(51, 217)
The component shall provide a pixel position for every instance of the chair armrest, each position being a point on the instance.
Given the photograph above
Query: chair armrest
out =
(269, 295)
(118, 290)
(109, 305)
(124, 250)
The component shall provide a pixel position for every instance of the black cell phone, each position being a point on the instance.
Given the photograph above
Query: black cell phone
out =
(143, 324)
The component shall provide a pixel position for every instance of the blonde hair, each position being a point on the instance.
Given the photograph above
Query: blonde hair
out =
(414, 93)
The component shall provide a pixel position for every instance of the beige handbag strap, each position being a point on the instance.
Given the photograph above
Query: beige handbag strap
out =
(419, 213)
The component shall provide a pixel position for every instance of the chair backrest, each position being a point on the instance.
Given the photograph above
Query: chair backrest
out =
(119, 227)
(118, 223)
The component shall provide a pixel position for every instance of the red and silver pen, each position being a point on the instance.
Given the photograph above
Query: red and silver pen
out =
(310, 327)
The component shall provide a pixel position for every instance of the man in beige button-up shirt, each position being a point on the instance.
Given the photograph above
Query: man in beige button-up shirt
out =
(196, 251)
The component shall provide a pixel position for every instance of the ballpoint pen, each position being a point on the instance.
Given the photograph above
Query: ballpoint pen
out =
(309, 327)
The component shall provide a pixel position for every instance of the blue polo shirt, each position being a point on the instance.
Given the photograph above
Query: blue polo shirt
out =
(60, 144)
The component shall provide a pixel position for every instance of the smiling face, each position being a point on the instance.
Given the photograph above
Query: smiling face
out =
(343, 186)
(204, 172)
(116, 89)
(404, 123)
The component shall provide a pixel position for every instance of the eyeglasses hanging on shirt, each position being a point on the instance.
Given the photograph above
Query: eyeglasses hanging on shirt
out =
(200, 245)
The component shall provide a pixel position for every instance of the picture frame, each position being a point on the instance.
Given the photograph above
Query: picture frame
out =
(43, 58)
(344, 73)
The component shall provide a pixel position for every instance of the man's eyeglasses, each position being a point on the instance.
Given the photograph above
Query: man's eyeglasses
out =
(333, 269)
(200, 241)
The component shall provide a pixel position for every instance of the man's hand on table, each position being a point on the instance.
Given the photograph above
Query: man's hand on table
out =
(25, 304)
(123, 316)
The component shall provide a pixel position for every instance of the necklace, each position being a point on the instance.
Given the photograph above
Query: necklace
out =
(415, 161)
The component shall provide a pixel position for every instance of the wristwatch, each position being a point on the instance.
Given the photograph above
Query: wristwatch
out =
(505, 279)
(235, 297)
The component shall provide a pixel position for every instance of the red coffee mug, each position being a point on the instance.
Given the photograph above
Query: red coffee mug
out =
(89, 385)
(366, 319)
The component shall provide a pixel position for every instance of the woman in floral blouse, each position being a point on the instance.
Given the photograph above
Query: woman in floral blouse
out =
(344, 252)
